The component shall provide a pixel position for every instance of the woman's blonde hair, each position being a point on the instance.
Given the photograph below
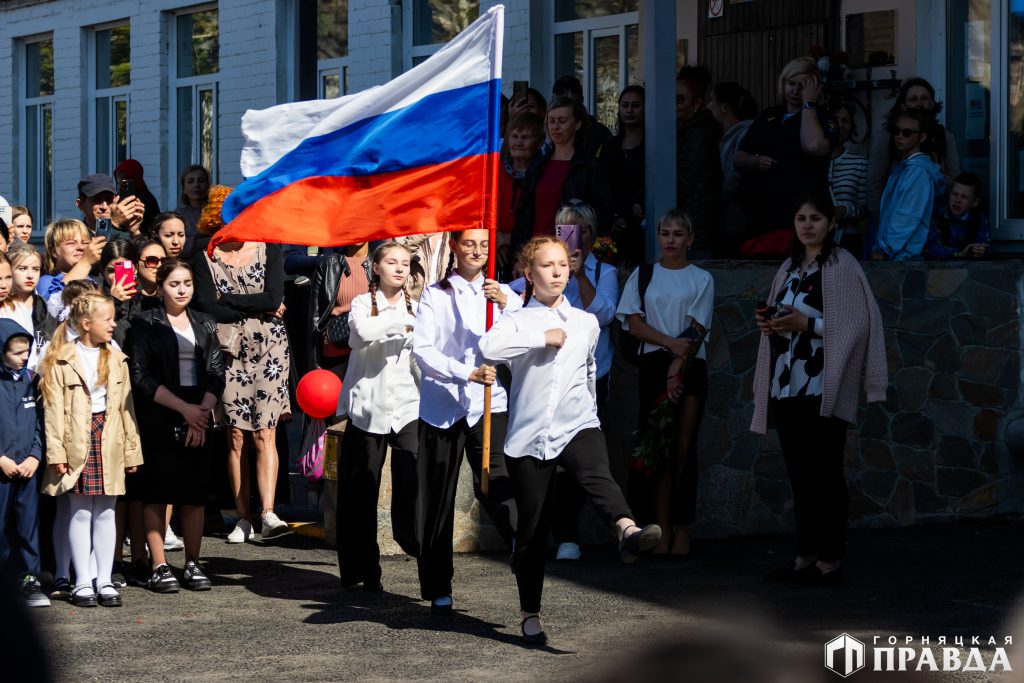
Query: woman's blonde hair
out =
(18, 253)
(678, 218)
(83, 307)
(58, 231)
(801, 66)
(529, 253)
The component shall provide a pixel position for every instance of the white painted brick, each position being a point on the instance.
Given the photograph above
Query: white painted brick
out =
(249, 75)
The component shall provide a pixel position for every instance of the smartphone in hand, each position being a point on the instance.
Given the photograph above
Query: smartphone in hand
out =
(124, 273)
(570, 234)
(126, 188)
(103, 227)
(519, 90)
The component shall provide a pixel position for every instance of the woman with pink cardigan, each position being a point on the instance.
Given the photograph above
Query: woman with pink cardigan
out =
(822, 337)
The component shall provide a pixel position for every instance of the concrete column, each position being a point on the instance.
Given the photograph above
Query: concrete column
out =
(658, 43)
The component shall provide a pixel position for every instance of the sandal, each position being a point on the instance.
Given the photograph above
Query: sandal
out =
(535, 639)
(84, 596)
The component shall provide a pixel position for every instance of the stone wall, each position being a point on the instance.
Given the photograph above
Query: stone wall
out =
(932, 451)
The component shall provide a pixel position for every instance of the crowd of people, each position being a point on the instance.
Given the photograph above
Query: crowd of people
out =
(137, 364)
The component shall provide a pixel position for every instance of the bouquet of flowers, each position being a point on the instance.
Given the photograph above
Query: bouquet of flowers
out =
(604, 250)
(655, 441)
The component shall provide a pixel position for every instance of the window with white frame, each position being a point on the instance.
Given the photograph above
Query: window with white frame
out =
(195, 74)
(109, 82)
(598, 42)
(36, 95)
(331, 48)
(429, 24)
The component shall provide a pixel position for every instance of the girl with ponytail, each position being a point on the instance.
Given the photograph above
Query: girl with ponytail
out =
(381, 398)
(91, 439)
(449, 323)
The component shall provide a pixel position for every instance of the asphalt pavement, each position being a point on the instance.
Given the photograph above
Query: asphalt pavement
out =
(278, 613)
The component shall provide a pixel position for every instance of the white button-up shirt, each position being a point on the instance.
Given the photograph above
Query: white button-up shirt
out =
(449, 324)
(554, 391)
(381, 389)
(606, 299)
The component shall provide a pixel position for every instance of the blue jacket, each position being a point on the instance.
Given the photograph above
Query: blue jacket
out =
(907, 204)
(21, 410)
(949, 234)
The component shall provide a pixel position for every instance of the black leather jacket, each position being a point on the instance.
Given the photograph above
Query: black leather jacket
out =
(152, 348)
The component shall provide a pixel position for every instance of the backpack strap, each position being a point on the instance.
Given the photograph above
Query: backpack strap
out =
(643, 282)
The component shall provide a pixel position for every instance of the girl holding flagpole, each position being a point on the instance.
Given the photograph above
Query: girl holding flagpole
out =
(551, 349)
(449, 323)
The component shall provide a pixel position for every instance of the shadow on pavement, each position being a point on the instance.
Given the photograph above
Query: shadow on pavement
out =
(400, 612)
(961, 578)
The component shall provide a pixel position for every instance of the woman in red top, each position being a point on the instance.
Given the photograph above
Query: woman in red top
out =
(523, 140)
(566, 173)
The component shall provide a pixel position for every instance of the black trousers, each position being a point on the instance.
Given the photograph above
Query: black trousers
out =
(439, 459)
(813, 447)
(586, 458)
(653, 377)
(569, 495)
(360, 464)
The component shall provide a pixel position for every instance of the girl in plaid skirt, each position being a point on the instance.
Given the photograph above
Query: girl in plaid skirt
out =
(91, 438)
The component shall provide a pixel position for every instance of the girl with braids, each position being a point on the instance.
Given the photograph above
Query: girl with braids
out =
(91, 439)
(449, 323)
(551, 348)
(381, 399)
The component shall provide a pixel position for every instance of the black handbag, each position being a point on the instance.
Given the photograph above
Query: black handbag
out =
(336, 330)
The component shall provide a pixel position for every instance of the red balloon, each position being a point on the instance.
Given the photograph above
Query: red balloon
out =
(318, 392)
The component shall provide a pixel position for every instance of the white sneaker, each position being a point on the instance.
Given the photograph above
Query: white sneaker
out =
(568, 551)
(171, 541)
(241, 533)
(273, 526)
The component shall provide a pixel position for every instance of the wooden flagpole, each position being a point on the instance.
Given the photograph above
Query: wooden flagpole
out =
(491, 217)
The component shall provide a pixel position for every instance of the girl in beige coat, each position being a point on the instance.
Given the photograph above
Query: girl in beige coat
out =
(91, 439)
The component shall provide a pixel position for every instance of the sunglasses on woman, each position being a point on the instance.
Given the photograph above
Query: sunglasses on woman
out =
(152, 261)
(904, 132)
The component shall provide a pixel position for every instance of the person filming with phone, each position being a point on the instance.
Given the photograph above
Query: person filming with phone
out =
(104, 212)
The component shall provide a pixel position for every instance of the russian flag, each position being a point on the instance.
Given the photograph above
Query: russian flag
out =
(416, 155)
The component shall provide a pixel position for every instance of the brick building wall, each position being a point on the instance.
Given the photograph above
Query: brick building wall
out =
(254, 73)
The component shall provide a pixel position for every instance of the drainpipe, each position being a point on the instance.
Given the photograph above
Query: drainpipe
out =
(658, 42)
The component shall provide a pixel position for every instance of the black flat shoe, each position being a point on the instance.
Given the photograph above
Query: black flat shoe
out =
(109, 600)
(373, 586)
(639, 542)
(84, 596)
(786, 573)
(813, 577)
(536, 639)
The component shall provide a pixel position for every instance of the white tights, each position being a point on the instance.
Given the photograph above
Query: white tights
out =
(91, 535)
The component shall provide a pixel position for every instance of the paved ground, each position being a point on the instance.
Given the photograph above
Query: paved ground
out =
(277, 613)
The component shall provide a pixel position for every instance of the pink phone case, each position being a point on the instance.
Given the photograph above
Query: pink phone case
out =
(121, 268)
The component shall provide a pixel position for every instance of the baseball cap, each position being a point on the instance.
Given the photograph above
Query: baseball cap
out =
(92, 185)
